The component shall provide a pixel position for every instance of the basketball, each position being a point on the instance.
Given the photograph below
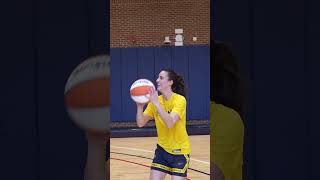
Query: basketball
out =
(87, 94)
(139, 90)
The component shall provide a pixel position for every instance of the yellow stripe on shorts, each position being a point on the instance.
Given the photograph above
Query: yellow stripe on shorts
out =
(160, 166)
(186, 166)
(176, 170)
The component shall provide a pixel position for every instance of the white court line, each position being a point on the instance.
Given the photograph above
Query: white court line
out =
(141, 150)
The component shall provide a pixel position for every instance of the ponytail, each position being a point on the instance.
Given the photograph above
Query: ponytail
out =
(178, 82)
(226, 83)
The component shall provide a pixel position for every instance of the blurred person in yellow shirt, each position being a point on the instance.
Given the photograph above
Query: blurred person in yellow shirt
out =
(226, 109)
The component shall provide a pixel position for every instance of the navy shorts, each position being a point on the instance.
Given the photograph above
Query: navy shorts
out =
(176, 165)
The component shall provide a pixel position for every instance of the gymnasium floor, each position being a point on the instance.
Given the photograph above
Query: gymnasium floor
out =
(131, 158)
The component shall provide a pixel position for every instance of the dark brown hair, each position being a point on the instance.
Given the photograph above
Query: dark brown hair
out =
(178, 82)
(226, 84)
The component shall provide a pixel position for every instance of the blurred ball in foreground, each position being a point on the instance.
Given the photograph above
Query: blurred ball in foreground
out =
(87, 94)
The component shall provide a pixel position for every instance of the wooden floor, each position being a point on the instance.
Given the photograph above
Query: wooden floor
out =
(131, 158)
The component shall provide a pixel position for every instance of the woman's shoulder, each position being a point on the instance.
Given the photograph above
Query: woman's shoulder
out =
(222, 114)
(179, 97)
(222, 109)
(227, 124)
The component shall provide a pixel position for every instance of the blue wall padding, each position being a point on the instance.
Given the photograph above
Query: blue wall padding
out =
(130, 64)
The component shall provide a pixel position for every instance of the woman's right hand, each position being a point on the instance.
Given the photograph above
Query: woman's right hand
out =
(216, 173)
(141, 118)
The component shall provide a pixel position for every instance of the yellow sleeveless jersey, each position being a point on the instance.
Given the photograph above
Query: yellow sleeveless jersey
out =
(174, 140)
(227, 132)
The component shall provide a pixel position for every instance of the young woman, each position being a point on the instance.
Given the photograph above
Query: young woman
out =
(169, 112)
(227, 128)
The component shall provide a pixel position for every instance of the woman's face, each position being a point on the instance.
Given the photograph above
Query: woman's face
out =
(163, 82)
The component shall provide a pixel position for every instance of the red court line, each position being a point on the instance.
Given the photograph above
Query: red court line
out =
(130, 162)
(137, 164)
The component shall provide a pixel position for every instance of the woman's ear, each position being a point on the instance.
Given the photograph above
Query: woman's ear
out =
(171, 82)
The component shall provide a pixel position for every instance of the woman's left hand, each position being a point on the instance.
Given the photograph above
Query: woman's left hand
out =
(153, 96)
